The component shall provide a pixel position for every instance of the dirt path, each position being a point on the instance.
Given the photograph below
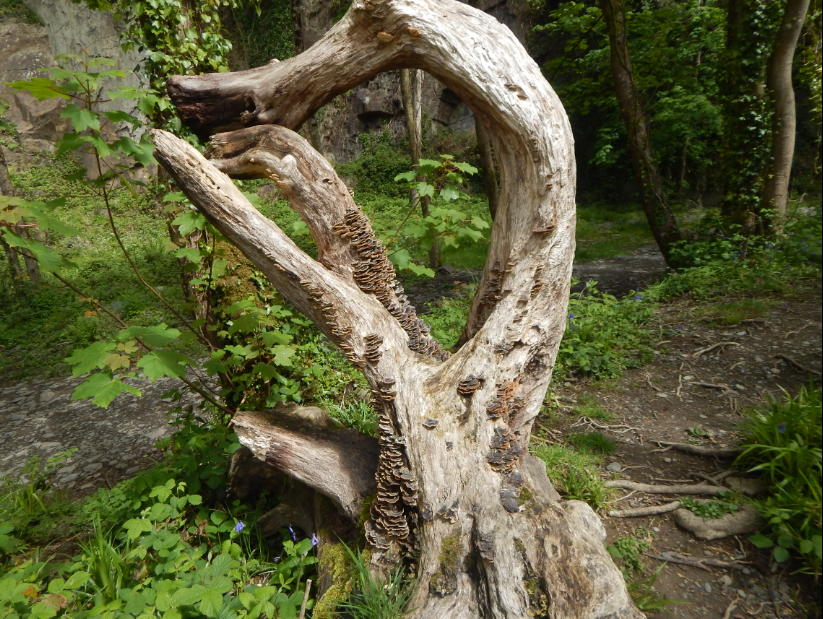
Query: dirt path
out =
(667, 400)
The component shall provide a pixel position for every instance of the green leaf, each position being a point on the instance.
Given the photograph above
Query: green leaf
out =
(220, 566)
(424, 189)
(465, 167)
(81, 118)
(189, 221)
(102, 388)
(40, 88)
(190, 253)
(155, 337)
(48, 259)
(780, 554)
(406, 176)
(282, 354)
(188, 596)
(270, 338)
(136, 527)
(117, 116)
(159, 363)
(78, 579)
(210, 603)
(449, 193)
(90, 358)
(267, 372)
(761, 541)
(38, 210)
(141, 152)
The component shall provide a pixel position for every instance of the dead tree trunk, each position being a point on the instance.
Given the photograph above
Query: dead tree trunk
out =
(779, 82)
(454, 430)
(652, 194)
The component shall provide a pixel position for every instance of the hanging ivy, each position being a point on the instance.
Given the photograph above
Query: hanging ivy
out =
(751, 29)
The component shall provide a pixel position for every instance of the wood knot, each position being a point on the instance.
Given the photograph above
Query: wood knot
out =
(385, 37)
(413, 31)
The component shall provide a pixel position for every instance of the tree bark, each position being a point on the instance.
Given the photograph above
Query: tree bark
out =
(484, 145)
(453, 430)
(411, 92)
(784, 122)
(652, 194)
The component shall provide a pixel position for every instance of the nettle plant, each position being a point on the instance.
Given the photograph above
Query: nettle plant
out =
(438, 183)
(249, 344)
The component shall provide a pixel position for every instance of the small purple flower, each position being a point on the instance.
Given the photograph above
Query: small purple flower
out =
(277, 559)
(571, 316)
(313, 539)
(239, 526)
(637, 297)
(293, 536)
(781, 428)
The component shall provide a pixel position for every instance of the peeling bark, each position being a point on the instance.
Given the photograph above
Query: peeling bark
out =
(457, 495)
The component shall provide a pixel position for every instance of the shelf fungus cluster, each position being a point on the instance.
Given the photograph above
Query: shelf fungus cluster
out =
(374, 274)
(505, 449)
(493, 291)
(339, 332)
(394, 509)
(469, 385)
(498, 408)
(373, 342)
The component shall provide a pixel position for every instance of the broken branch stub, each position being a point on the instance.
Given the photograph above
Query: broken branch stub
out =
(457, 495)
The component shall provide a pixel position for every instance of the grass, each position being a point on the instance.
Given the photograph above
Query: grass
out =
(590, 407)
(592, 443)
(734, 312)
(606, 231)
(574, 473)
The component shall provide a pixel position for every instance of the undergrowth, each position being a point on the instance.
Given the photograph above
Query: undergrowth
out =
(168, 543)
(782, 441)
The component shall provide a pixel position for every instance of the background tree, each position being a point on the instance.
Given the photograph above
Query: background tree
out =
(784, 121)
(652, 193)
(476, 551)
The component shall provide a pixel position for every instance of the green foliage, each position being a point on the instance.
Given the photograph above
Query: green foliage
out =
(747, 113)
(592, 443)
(606, 230)
(373, 598)
(16, 9)
(590, 407)
(641, 588)
(574, 473)
(266, 33)
(628, 548)
(604, 335)
(675, 50)
(728, 263)
(358, 415)
(448, 316)
(709, 510)
(380, 162)
(782, 441)
(165, 544)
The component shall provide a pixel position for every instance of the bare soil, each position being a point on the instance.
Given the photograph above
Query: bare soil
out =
(662, 401)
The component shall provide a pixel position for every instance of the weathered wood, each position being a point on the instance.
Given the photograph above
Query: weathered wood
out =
(453, 430)
(338, 463)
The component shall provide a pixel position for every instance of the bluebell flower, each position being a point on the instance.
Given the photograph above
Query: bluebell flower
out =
(781, 428)
(571, 316)
(239, 526)
(277, 559)
(293, 536)
(313, 539)
(637, 297)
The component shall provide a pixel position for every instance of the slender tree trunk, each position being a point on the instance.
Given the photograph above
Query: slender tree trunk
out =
(652, 195)
(453, 429)
(411, 92)
(32, 268)
(784, 122)
(484, 145)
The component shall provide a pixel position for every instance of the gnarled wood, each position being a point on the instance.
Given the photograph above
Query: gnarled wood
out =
(338, 463)
(453, 430)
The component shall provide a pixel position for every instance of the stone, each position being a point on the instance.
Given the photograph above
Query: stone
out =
(614, 467)
(726, 580)
(47, 396)
(94, 466)
(157, 433)
(708, 587)
(746, 485)
(744, 520)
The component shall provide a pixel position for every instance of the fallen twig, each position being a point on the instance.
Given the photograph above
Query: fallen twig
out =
(725, 388)
(659, 489)
(702, 562)
(645, 511)
(718, 452)
(305, 600)
(797, 365)
(711, 480)
(708, 349)
(618, 428)
(732, 605)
